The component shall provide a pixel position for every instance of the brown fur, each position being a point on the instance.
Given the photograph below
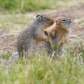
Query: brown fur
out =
(59, 33)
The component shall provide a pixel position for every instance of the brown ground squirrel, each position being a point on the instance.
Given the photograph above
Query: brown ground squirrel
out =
(59, 33)
(29, 38)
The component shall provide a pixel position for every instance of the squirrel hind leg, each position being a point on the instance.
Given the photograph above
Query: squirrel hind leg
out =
(21, 54)
(61, 48)
(48, 48)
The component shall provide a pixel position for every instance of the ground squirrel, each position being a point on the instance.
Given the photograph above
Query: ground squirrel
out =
(29, 38)
(59, 33)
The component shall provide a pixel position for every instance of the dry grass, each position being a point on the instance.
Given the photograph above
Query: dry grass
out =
(14, 24)
(41, 69)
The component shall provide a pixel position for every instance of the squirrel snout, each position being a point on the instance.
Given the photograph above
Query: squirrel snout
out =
(69, 20)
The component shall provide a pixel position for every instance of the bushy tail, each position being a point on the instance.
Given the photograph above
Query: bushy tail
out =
(14, 57)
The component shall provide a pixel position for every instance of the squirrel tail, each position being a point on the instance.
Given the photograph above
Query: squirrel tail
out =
(14, 57)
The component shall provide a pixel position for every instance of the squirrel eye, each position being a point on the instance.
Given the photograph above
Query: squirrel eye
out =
(41, 19)
(48, 19)
(63, 20)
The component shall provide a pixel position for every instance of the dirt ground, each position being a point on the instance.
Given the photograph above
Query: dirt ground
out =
(76, 13)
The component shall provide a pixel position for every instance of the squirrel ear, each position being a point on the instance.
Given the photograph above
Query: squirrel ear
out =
(40, 17)
(37, 16)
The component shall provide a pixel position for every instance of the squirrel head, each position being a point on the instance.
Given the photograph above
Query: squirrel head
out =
(63, 22)
(44, 21)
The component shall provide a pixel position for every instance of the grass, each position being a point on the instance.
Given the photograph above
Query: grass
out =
(15, 23)
(16, 6)
(6, 55)
(41, 69)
